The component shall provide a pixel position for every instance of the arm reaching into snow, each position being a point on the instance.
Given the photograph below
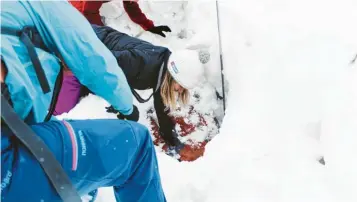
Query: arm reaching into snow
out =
(167, 127)
(136, 15)
(65, 30)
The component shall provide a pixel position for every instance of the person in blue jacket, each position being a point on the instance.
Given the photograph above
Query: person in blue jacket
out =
(121, 154)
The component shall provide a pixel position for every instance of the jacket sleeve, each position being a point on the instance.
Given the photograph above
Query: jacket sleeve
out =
(85, 55)
(165, 123)
(136, 15)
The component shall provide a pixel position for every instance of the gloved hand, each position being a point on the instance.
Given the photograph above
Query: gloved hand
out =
(159, 30)
(173, 142)
(111, 109)
(134, 116)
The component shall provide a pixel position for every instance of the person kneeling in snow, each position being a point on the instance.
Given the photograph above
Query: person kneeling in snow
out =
(146, 66)
(69, 95)
(170, 75)
(121, 154)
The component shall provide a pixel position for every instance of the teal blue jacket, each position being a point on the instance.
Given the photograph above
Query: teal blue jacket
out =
(66, 31)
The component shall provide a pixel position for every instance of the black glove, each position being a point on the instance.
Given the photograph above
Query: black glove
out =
(171, 139)
(111, 109)
(159, 30)
(134, 116)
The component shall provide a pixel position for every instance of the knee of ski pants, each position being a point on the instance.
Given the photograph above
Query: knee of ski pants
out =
(99, 164)
(111, 148)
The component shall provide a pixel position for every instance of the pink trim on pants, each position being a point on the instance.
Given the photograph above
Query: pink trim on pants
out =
(74, 145)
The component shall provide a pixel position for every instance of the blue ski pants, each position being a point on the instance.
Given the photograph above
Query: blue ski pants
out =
(94, 153)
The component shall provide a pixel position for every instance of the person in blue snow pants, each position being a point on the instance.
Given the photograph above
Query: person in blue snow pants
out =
(94, 153)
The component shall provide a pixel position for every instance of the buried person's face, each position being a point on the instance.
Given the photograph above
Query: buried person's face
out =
(178, 88)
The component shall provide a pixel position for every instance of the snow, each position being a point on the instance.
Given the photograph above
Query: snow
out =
(292, 99)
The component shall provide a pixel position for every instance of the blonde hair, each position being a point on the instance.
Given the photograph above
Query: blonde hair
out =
(169, 95)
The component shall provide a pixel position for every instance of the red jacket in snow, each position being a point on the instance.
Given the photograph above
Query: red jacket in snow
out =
(90, 9)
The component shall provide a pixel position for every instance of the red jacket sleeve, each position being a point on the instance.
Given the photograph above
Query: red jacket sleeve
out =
(136, 15)
(78, 5)
(90, 10)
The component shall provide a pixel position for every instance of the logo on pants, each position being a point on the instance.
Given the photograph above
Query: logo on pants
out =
(83, 143)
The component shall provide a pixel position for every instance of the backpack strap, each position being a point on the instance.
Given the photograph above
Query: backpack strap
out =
(56, 91)
(53, 169)
(31, 38)
(142, 100)
(138, 97)
(159, 81)
(25, 35)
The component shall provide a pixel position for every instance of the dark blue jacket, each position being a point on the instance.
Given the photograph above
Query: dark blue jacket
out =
(140, 62)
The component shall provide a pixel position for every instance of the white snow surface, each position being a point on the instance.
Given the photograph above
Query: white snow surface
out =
(292, 99)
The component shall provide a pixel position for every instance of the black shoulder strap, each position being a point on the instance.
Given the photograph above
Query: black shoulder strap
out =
(142, 100)
(25, 36)
(31, 39)
(138, 97)
(56, 91)
(159, 81)
(42, 153)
